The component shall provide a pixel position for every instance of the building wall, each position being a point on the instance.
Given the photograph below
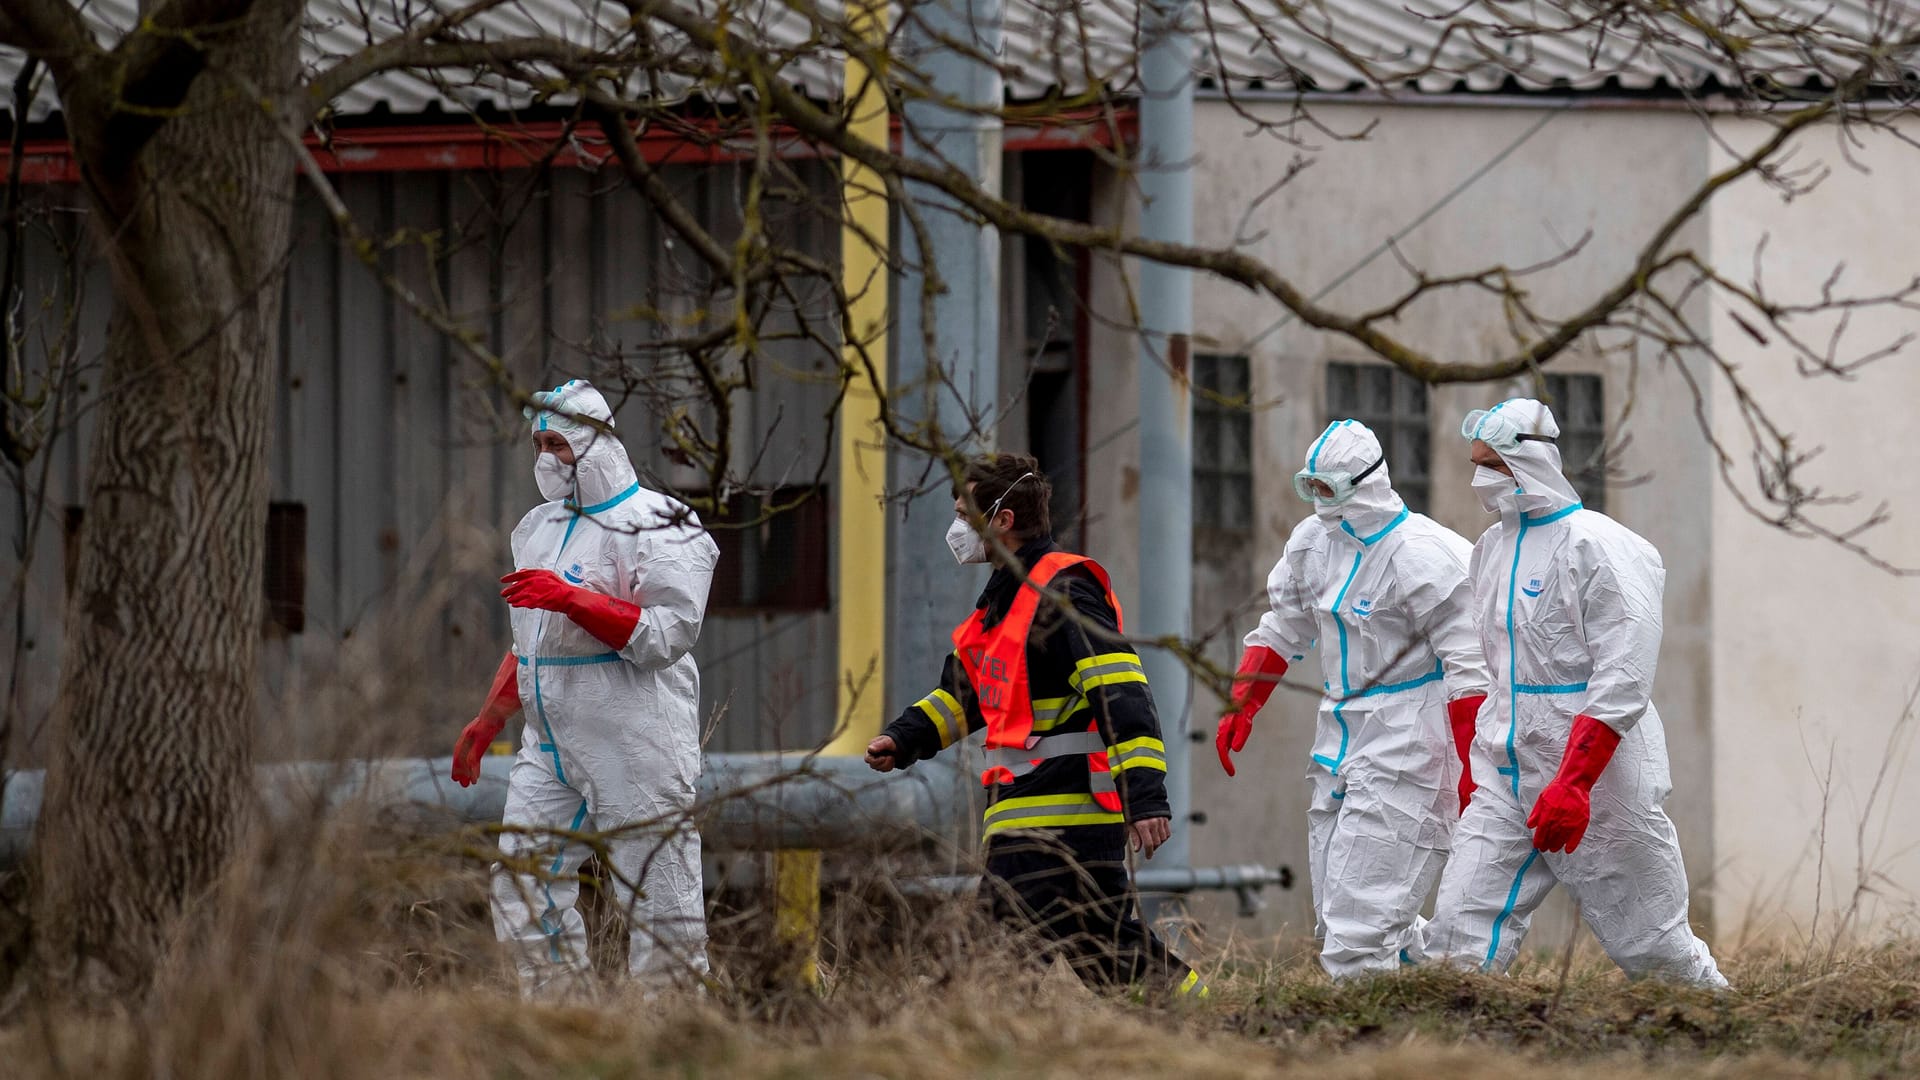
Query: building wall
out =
(1814, 773)
(1112, 529)
(413, 470)
(64, 309)
(1462, 188)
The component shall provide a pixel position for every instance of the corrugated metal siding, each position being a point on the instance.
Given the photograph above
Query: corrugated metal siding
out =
(1334, 44)
(58, 284)
(413, 472)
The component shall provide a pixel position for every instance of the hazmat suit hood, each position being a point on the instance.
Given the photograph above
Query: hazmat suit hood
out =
(602, 472)
(1351, 447)
(1540, 484)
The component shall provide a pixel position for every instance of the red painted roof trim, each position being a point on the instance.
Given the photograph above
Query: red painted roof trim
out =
(431, 147)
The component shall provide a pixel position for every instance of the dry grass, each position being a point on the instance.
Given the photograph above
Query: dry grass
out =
(366, 953)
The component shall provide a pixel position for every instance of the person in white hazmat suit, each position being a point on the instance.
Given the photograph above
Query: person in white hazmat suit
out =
(1384, 591)
(1569, 748)
(608, 593)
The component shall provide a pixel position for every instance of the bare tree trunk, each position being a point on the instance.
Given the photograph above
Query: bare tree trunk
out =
(149, 783)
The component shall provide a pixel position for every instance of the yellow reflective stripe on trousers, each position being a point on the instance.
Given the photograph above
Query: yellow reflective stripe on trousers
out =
(1193, 980)
(1047, 812)
(944, 710)
(1145, 752)
(1107, 669)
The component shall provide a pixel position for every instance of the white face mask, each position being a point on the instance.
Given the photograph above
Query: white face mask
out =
(1492, 486)
(968, 546)
(554, 476)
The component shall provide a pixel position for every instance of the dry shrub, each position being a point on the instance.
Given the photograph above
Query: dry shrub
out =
(353, 947)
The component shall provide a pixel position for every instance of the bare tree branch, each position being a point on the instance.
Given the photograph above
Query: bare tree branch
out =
(50, 30)
(403, 53)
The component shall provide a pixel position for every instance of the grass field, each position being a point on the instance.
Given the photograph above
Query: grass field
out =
(353, 961)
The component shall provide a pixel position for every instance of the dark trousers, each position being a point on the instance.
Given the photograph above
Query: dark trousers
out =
(1075, 893)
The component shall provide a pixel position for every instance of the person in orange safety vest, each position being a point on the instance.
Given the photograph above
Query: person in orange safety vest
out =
(1075, 766)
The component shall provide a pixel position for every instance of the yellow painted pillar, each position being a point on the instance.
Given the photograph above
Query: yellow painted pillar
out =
(860, 594)
(796, 916)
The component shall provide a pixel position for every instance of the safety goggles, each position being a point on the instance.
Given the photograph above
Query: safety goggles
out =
(1343, 484)
(545, 411)
(1498, 430)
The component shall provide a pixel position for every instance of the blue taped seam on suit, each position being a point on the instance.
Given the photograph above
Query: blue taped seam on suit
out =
(559, 861)
(1513, 900)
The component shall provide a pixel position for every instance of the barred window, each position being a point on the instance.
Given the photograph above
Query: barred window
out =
(1394, 405)
(1579, 404)
(1222, 444)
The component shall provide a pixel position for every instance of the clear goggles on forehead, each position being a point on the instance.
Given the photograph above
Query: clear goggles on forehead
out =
(1342, 484)
(545, 411)
(1498, 430)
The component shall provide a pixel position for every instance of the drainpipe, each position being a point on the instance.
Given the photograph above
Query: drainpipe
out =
(954, 123)
(1166, 409)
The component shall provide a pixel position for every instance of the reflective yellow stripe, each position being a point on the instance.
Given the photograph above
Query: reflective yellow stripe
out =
(948, 718)
(1046, 812)
(1114, 679)
(1195, 987)
(1054, 822)
(1145, 752)
(1107, 669)
(1050, 713)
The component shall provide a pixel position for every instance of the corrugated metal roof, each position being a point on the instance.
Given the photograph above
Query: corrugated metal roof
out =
(1068, 45)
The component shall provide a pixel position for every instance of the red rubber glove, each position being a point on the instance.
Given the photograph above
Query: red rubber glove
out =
(1260, 671)
(502, 702)
(1461, 714)
(1560, 817)
(606, 618)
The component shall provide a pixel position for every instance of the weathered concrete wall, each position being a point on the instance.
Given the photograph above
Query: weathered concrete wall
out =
(1815, 781)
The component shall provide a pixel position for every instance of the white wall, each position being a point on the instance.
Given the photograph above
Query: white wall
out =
(1113, 436)
(1609, 172)
(1816, 651)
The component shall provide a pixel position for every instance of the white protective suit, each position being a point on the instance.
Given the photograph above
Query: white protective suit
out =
(1568, 607)
(612, 739)
(1385, 592)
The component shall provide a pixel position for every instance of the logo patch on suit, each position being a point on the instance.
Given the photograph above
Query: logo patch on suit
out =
(1533, 587)
(1363, 607)
(573, 574)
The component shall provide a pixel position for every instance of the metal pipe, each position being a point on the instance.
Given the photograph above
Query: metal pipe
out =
(745, 802)
(754, 802)
(953, 392)
(1164, 164)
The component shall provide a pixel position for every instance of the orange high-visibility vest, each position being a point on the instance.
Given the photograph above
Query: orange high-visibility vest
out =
(995, 661)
